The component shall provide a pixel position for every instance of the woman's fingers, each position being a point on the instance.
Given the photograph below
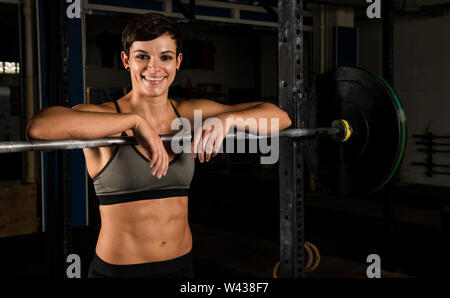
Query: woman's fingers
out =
(209, 145)
(159, 161)
(200, 147)
(217, 145)
(206, 143)
(154, 160)
(213, 144)
(164, 163)
(147, 137)
(195, 142)
(157, 171)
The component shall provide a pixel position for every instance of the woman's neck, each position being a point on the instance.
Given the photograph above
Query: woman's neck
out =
(153, 109)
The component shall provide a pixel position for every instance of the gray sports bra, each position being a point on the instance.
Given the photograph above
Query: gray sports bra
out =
(127, 176)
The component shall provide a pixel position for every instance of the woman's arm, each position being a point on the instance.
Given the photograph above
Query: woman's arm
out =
(217, 119)
(246, 111)
(80, 122)
(86, 121)
(261, 111)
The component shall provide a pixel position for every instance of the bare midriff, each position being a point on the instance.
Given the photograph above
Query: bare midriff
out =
(144, 231)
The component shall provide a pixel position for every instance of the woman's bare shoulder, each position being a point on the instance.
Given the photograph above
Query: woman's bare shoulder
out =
(187, 107)
(107, 107)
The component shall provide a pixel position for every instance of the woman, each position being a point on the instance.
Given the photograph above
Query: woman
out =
(143, 189)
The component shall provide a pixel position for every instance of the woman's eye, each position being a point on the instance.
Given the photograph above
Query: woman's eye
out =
(143, 57)
(166, 57)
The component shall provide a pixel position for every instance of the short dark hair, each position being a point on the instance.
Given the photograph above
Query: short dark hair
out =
(150, 26)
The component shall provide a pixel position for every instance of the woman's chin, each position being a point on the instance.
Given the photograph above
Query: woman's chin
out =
(152, 93)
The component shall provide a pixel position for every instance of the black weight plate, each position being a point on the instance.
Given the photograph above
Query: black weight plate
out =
(372, 155)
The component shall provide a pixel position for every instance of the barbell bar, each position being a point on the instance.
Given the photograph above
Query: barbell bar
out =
(340, 130)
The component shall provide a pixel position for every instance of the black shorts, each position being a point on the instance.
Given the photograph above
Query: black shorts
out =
(180, 267)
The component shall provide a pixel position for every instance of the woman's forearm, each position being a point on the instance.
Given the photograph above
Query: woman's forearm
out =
(62, 123)
(265, 118)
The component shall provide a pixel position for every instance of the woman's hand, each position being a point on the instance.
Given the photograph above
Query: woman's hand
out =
(209, 138)
(147, 137)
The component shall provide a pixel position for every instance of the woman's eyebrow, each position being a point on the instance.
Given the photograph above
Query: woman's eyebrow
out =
(145, 52)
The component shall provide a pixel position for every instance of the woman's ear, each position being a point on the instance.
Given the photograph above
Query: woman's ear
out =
(179, 58)
(125, 60)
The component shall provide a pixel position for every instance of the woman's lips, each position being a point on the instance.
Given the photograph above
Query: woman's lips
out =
(154, 81)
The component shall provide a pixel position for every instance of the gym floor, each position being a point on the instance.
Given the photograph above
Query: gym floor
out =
(236, 230)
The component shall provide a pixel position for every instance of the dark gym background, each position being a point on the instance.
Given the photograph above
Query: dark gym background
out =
(234, 204)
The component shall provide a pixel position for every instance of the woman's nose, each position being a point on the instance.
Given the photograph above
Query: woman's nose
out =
(152, 64)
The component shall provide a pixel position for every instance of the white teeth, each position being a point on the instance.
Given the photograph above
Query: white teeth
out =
(154, 79)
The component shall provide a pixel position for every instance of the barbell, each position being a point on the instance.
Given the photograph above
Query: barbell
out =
(339, 129)
(353, 142)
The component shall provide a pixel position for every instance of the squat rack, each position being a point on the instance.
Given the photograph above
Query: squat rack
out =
(291, 170)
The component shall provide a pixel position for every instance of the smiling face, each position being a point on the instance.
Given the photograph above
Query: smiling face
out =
(152, 65)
